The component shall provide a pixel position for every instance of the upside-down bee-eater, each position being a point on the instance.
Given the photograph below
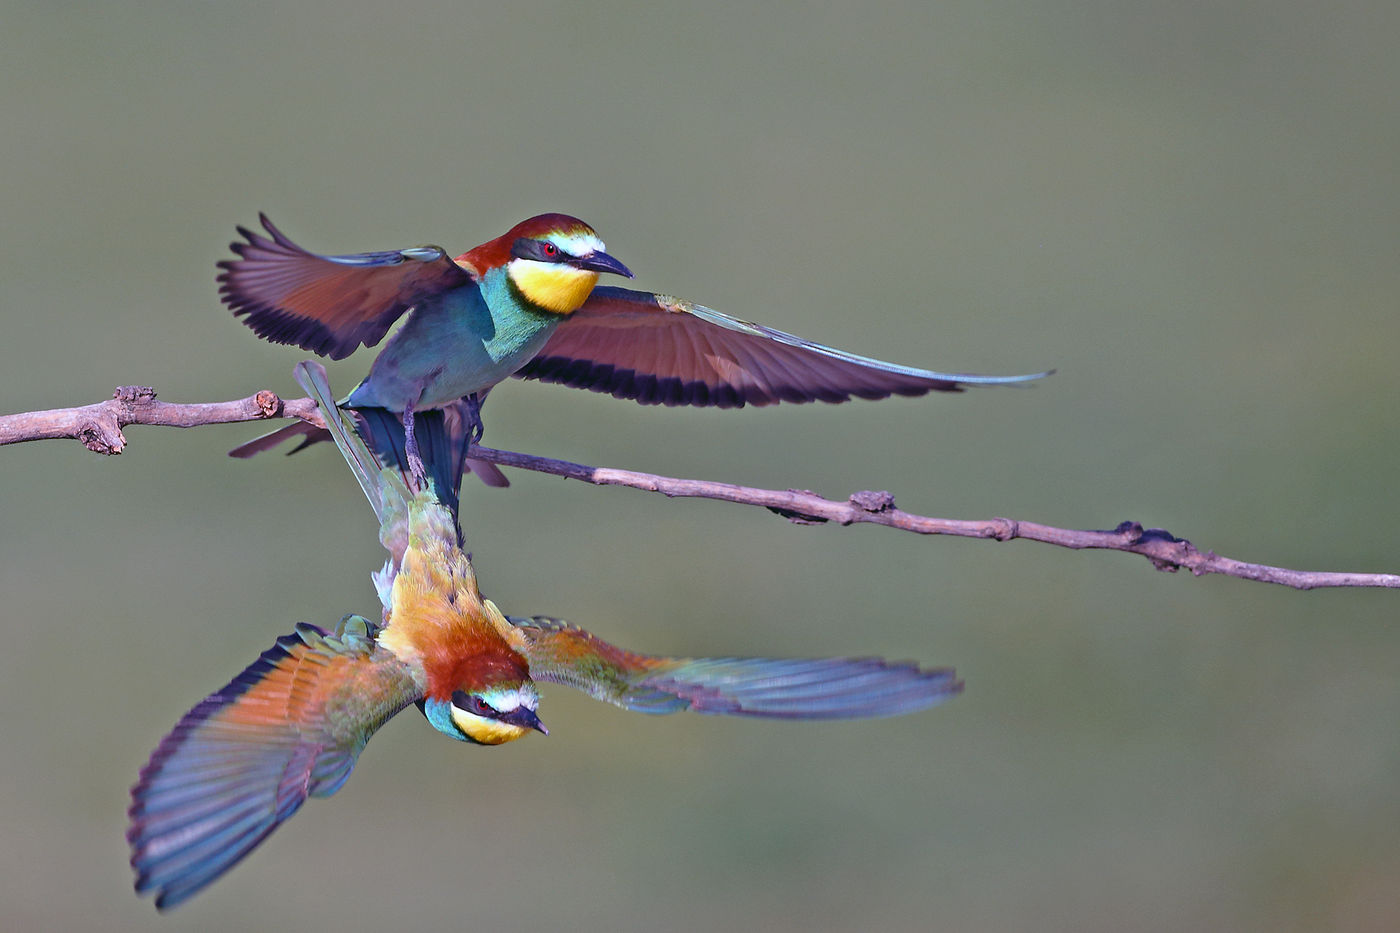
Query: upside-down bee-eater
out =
(293, 723)
(525, 304)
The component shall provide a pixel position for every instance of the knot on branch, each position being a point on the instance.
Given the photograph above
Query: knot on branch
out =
(267, 403)
(101, 435)
(1004, 529)
(869, 501)
(132, 394)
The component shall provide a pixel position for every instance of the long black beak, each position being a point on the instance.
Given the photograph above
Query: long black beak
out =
(526, 718)
(601, 262)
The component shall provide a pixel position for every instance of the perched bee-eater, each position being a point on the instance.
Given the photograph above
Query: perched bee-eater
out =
(293, 723)
(525, 305)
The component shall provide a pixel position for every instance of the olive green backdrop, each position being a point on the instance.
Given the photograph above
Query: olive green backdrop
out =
(1192, 210)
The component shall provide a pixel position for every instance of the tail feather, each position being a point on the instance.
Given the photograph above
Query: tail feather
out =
(455, 423)
(441, 440)
(442, 432)
(387, 480)
(312, 377)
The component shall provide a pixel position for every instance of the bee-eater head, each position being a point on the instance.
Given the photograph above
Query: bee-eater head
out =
(491, 716)
(555, 261)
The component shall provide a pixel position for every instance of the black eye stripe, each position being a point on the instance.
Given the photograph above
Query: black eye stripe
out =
(473, 704)
(526, 248)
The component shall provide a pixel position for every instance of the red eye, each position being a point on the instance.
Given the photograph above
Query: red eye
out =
(551, 250)
(471, 703)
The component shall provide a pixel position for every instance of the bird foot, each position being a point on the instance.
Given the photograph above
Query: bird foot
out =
(416, 468)
(475, 427)
(418, 471)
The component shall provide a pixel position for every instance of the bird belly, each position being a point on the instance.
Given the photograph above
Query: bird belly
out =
(448, 349)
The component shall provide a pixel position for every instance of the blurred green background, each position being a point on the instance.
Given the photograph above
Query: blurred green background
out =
(1192, 210)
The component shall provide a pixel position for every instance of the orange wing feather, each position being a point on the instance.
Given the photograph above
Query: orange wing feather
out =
(246, 757)
(664, 351)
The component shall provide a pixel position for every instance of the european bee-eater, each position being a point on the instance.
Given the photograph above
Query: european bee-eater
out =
(293, 723)
(525, 305)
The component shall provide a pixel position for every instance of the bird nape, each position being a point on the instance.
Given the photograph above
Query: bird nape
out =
(526, 304)
(293, 723)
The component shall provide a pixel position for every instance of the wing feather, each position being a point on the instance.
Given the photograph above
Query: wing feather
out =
(819, 688)
(661, 350)
(246, 757)
(328, 304)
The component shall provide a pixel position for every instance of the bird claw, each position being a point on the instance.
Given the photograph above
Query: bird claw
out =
(418, 471)
(416, 468)
(475, 427)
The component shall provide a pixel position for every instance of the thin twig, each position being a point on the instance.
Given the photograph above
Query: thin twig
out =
(99, 428)
(1166, 551)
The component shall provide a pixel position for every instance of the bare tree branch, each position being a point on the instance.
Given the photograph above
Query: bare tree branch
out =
(1166, 551)
(98, 427)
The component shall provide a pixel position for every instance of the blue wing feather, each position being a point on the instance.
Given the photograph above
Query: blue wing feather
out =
(815, 688)
(245, 758)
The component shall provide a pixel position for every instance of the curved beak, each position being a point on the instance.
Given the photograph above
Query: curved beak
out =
(600, 261)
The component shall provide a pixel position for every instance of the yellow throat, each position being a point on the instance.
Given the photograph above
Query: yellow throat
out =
(554, 286)
(486, 731)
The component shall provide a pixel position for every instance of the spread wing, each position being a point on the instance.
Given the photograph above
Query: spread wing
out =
(246, 758)
(820, 688)
(664, 351)
(328, 304)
